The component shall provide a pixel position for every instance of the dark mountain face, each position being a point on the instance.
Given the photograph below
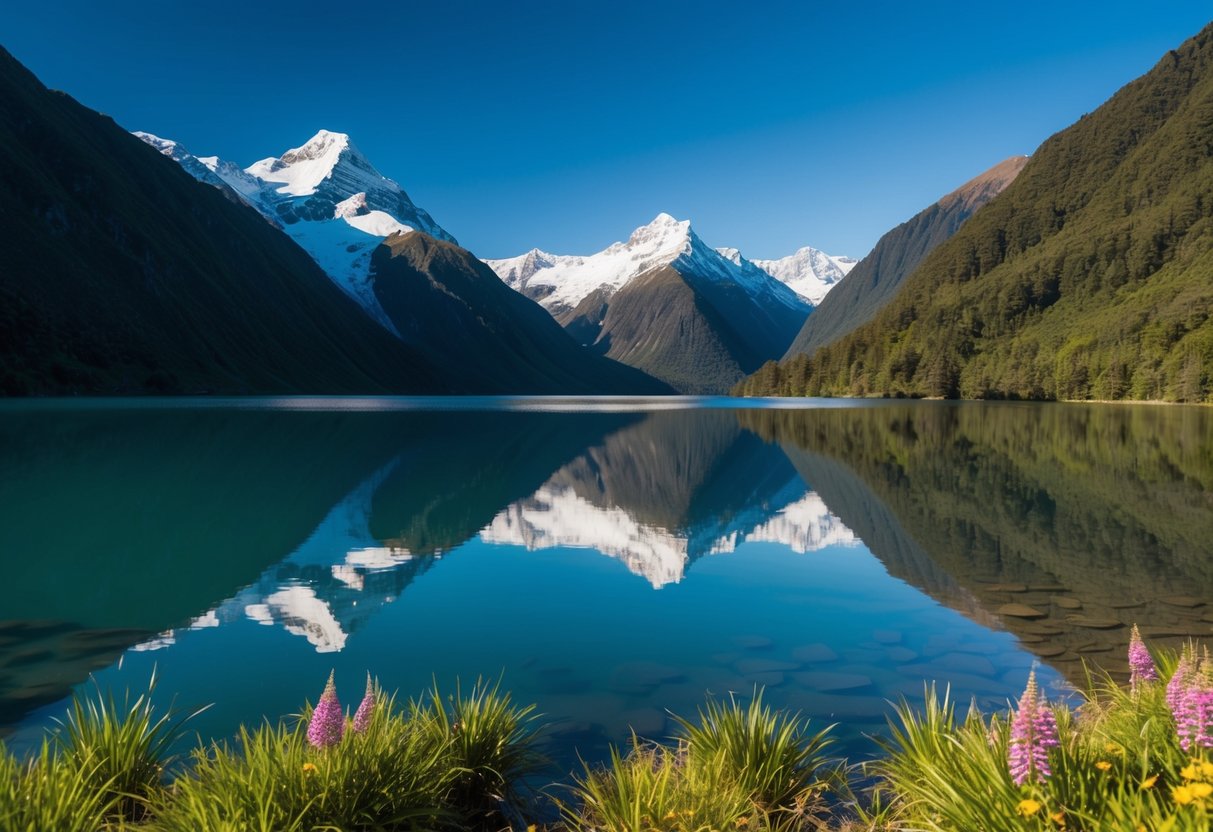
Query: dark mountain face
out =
(119, 273)
(453, 307)
(874, 281)
(697, 335)
(1087, 278)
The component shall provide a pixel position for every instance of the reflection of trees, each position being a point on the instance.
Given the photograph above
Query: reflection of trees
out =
(1107, 506)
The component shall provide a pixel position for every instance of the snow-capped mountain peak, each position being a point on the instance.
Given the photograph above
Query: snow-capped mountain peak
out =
(326, 156)
(809, 272)
(561, 282)
(328, 197)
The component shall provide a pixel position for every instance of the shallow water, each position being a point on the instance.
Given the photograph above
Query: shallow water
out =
(610, 561)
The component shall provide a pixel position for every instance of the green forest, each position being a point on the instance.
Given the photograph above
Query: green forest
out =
(1090, 277)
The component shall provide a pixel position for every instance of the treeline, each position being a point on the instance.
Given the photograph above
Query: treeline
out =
(1090, 277)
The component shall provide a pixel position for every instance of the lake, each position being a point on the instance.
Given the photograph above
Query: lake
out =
(610, 560)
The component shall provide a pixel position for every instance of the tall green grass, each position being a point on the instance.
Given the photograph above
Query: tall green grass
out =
(121, 750)
(490, 751)
(660, 788)
(463, 761)
(1118, 766)
(769, 753)
(48, 794)
(394, 775)
(738, 766)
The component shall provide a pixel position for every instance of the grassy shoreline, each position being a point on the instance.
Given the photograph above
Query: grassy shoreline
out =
(1133, 757)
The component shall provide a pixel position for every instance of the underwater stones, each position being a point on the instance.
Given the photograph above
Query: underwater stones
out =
(1095, 623)
(753, 642)
(886, 636)
(748, 666)
(965, 663)
(900, 655)
(1186, 601)
(646, 722)
(829, 682)
(1019, 611)
(1011, 588)
(1049, 651)
(643, 677)
(815, 654)
(821, 705)
(771, 679)
(1065, 603)
(1167, 632)
(1041, 628)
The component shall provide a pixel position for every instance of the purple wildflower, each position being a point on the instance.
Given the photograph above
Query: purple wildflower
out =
(1179, 679)
(1193, 709)
(362, 717)
(328, 720)
(1033, 733)
(1141, 664)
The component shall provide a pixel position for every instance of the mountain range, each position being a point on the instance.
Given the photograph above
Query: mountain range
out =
(130, 265)
(665, 302)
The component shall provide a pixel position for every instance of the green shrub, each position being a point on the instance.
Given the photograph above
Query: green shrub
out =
(393, 775)
(659, 788)
(769, 754)
(490, 751)
(119, 751)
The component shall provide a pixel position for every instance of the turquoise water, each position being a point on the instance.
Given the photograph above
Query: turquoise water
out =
(609, 561)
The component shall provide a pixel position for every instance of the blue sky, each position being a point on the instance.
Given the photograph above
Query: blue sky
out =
(564, 125)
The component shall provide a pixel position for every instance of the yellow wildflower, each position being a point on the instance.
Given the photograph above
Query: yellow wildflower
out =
(1206, 769)
(1028, 807)
(1059, 818)
(1103, 765)
(308, 768)
(743, 821)
(670, 815)
(1182, 794)
(1112, 748)
(531, 828)
(1201, 790)
(1149, 782)
(1189, 772)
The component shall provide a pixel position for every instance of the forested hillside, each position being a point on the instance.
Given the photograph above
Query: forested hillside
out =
(1090, 277)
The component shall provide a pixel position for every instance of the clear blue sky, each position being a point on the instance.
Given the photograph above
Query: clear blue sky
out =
(563, 125)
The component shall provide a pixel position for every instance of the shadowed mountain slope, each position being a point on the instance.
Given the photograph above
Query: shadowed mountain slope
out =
(119, 273)
(874, 281)
(452, 307)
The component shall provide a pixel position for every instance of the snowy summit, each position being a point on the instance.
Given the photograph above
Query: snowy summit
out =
(327, 196)
(560, 282)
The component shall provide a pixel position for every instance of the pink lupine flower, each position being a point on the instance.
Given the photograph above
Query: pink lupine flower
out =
(1033, 733)
(1193, 710)
(1179, 679)
(362, 717)
(1141, 664)
(328, 720)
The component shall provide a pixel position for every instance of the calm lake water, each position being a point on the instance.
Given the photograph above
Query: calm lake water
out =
(609, 560)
